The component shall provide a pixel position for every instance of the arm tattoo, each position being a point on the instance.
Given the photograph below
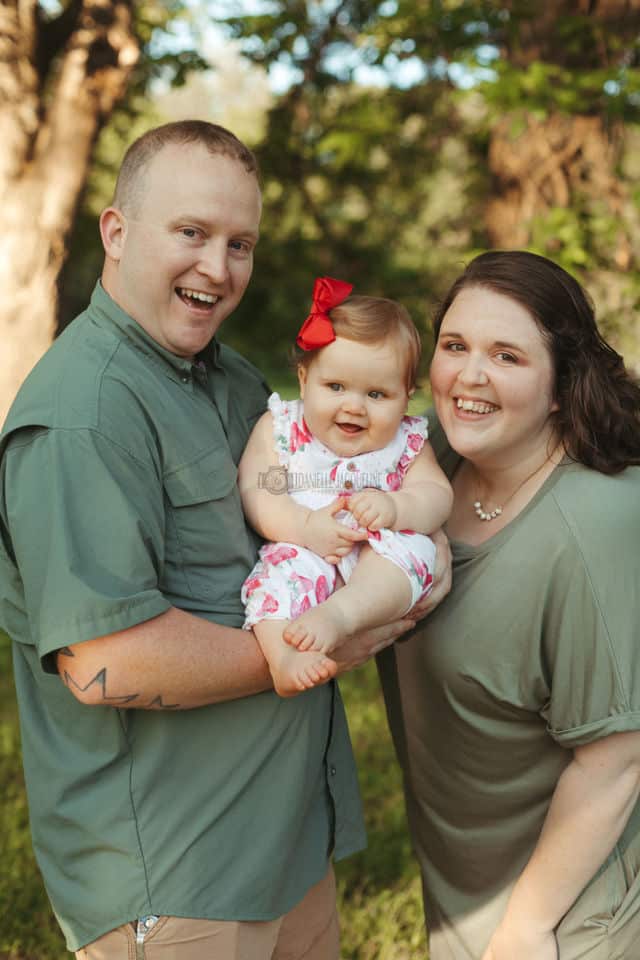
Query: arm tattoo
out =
(100, 680)
(158, 703)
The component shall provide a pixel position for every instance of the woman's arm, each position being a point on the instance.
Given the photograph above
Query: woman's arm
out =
(591, 804)
(423, 504)
(274, 514)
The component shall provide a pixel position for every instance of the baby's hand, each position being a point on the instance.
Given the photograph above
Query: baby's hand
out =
(373, 509)
(328, 537)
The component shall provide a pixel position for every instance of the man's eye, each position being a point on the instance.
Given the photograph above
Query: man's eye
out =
(507, 357)
(241, 246)
(454, 346)
(189, 232)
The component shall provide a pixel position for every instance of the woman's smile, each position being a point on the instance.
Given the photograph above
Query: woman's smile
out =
(492, 379)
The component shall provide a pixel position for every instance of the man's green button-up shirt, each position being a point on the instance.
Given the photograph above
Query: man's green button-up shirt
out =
(118, 500)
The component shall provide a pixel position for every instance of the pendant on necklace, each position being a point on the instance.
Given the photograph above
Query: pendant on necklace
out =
(483, 514)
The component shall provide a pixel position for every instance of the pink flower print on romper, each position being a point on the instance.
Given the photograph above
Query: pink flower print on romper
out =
(334, 472)
(299, 605)
(421, 569)
(403, 464)
(305, 583)
(276, 553)
(299, 436)
(394, 480)
(269, 605)
(251, 585)
(415, 442)
(322, 589)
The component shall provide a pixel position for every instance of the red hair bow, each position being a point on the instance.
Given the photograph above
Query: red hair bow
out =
(317, 330)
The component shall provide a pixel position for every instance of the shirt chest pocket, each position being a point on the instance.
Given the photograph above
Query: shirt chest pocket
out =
(205, 523)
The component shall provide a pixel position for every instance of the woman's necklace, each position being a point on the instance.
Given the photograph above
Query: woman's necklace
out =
(489, 515)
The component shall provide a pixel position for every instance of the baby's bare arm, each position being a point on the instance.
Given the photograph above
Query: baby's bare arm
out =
(263, 488)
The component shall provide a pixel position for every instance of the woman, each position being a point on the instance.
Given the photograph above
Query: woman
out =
(515, 707)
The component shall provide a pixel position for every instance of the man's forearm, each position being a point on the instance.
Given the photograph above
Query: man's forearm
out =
(173, 662)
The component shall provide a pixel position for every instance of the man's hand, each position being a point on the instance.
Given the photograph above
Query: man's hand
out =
(373, 509)
(326, 536)
(358, 649)
(441, 578)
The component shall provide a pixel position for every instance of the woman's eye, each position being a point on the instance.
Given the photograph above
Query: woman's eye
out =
(507, 357)
(453, 347)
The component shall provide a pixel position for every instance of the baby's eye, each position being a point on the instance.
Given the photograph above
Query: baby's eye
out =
(376, 394)
(335, 387)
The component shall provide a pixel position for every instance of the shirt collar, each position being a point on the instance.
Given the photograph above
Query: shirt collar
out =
(107, 312)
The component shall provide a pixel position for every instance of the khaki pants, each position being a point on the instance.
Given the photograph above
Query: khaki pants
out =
(308, 932)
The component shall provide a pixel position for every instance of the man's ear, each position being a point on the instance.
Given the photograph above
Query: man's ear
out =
(113, 228)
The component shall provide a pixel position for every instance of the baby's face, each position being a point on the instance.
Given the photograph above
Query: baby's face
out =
(355, 395)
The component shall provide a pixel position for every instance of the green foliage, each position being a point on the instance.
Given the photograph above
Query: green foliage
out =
(382, 177)
(379, 889)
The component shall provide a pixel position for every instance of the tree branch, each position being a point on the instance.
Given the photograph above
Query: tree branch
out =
(53, 36)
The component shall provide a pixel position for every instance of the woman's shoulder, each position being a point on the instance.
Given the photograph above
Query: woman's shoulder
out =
(602, 511)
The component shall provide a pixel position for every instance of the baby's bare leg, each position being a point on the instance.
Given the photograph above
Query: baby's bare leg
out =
(292, 670)
(378, 592)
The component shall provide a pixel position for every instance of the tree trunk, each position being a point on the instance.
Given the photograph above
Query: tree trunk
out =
(538, 165)
(59, 82)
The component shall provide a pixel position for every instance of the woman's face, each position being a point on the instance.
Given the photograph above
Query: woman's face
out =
(492, 380)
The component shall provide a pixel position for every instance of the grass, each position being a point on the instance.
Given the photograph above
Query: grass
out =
(379, 889)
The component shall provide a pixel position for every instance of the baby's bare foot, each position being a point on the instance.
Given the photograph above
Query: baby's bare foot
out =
(322, 628)
(294, 671)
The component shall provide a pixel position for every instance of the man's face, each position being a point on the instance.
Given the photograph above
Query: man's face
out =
(181, 263)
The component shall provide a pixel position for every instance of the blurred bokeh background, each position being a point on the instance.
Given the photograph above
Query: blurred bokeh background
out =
(396, 138)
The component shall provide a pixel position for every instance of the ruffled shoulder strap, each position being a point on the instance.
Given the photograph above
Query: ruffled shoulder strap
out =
(415, 431)
(281, 412)
(290, 432)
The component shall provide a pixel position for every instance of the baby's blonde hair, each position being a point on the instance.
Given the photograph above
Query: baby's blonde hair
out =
(374, 320)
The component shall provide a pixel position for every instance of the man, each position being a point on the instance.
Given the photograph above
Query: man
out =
(178, 806)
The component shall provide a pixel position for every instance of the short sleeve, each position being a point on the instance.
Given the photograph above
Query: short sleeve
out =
(591, 644)
(85, 521)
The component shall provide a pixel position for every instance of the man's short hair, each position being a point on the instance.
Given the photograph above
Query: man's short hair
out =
(216, 139)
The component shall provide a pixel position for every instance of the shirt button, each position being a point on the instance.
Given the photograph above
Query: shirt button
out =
(332, 770)
(185, 378)
(348, 484)
(351, 466)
